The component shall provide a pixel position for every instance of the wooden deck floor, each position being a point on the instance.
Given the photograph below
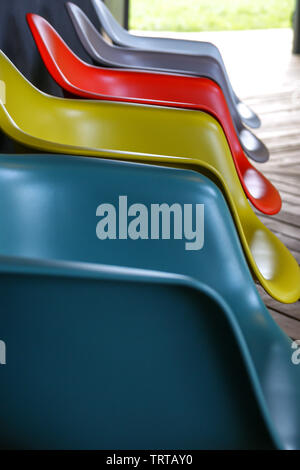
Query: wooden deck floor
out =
(266, 76)
(280, 114)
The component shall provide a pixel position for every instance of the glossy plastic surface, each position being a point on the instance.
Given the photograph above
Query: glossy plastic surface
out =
(112, 56)
(90, 321)
(81, 345)
(81, 79)
(122, 37)
(155, 135)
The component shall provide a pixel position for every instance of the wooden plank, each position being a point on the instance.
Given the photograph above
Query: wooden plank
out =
(292, 310)
(290, 326)
(281, 226)
(290, 207)
(292, 219)
(291, 179)
(291, 243)
(288, 180)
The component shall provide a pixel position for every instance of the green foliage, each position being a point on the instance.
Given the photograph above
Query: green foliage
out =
(210, 15)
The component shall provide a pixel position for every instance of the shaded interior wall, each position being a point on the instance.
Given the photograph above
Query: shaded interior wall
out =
(119, 9)
(17, 43)
(296, 25)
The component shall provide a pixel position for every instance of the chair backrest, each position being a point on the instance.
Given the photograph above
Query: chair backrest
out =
(67, 68)
(51, 229)
(108, 54)
(120, 36)
(155, 135)
(93, 42)
(50, 208)
(204, 66)
(101, 358)
(62, 63)
(86, 81)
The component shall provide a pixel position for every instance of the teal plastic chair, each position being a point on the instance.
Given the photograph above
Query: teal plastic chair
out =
(48, 213)
(115, 358)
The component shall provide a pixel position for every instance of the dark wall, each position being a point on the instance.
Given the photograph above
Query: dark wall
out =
(120, 10)
(296, 26)
(17, 43)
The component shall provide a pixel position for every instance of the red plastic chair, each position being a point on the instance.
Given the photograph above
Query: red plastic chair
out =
(86, 81)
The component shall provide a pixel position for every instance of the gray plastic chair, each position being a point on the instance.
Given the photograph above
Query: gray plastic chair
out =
(114, 56)
(121, 37)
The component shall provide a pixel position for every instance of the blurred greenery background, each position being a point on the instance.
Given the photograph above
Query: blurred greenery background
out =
(210, 15)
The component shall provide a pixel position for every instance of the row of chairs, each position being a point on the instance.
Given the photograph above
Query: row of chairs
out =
(138, 343)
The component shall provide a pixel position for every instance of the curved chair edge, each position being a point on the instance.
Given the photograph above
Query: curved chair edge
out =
(18, 265)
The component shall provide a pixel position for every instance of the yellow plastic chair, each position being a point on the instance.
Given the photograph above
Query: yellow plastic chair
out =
(179, 138)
